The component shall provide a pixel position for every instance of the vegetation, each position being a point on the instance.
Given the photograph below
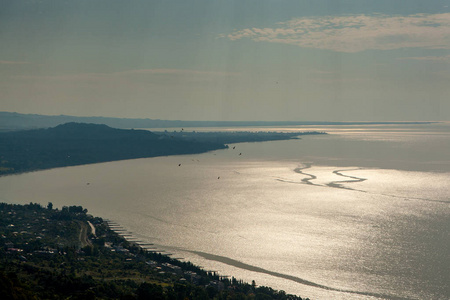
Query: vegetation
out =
(227, 137)
(47, 253)
(78, 143)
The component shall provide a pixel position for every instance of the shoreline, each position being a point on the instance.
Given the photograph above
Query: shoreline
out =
(106, 265)
(251, 268)
(76, 144)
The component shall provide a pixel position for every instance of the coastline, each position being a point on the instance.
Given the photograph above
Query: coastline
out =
(401, 204)
(79, 264)
(127, 235)
(75, 144)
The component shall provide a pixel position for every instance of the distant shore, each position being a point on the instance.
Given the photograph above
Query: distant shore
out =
(18, 121)
(75, 144)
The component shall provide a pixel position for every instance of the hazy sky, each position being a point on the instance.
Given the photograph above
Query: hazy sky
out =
(299, 60)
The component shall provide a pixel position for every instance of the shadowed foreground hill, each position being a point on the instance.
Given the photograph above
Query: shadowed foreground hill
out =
(78, 143)
(47, 253)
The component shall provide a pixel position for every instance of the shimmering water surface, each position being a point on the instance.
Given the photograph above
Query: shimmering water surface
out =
(362, 213)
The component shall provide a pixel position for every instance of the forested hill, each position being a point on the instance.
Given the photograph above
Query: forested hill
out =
(73, 144)
(78, 143)
(76, 131)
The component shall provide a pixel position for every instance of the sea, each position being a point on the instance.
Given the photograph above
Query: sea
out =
(360, 213)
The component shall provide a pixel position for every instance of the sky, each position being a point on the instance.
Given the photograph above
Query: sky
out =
(227, 60)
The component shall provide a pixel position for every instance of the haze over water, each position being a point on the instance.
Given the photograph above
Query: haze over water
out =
(361, 213)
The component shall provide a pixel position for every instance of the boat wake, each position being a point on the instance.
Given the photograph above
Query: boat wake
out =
(310, 177)
(353, 179)
(342, 184)
(306, 180)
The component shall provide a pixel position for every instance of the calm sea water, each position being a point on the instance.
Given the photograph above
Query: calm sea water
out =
(362, 213)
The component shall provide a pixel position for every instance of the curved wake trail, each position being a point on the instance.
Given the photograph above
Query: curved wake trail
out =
(306, 180)
(353, 179)
(244, 266)
(338, 184)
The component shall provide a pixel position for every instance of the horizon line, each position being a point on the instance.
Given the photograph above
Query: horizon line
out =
(236, 121)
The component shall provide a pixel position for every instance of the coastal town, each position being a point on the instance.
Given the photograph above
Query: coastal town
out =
(49, 253)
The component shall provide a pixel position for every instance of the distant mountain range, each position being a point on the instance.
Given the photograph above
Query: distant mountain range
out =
(17, 121)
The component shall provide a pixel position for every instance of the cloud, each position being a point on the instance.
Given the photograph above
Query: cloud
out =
(338, 80)
(139, 73)
(323, 72)
(6, 62)
(445, 58)
(355, 33)
(174, 72)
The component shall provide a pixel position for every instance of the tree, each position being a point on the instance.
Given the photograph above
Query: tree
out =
(150, 291)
